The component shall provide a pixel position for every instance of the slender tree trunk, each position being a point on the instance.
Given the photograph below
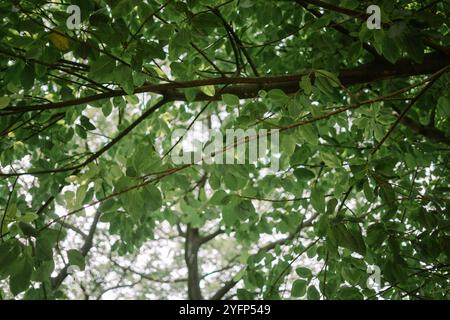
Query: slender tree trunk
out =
(191, 248)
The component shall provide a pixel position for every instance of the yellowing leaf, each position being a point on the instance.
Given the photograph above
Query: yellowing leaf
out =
(59, 41)
(4, 102)
(208, 90)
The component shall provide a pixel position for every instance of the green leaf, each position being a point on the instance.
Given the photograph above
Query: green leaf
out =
(330, 160)
(349, 293)
(76, 259)
(304, 272)
(107, 108)
(331, 206)
(349, 238)
(102, 67)
(44, 250)
(334, 80)
(368, 192)
(230, 215)
(154, 50)
(230, 99)
(80, 195)
(190, 94)
(278, 95)
(376, 234)
(391, 51)
(312, 293)
(152, 197)
(28, 229)
(378, 40)
(124, 77)
(81, 132)
(84, 121)
(20, 279)
(28, 76)
(182, 38)
(29, 217)
(44, 271)
(394, 272)
(414, 47)
(9, 253)
(305, 84)
(217, 198)
(299, 288)
(132, 99)
(308, 133)
(387, 194)
(318, 200)
(443, 106)
(303, 174)
(236, 210)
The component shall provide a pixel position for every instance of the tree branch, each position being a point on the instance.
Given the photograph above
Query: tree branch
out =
(231, 283)
(73, 228)
(56, 281)
(97, 154)
(6, 207)
(211, 236)
(249, 87)
(429, 132)
(409, 106)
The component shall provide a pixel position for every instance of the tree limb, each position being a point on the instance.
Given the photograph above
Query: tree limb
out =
(231, 283)
(56, 281)
(249, 87)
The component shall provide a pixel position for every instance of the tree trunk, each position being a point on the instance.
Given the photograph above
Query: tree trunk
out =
(192, 246)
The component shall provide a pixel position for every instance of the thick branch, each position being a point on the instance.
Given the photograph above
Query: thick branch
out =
(429, 132)
(249, 87)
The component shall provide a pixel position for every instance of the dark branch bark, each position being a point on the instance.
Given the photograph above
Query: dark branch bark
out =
(249, 87)
(73, 228)
(147, 276)
(211, 236)
(56, 281)
(191, 248)
(97, 154)
(344, 31)
(429, 132)
(332, 7)
(224, 290)
(232, 283)
(409, 106)
(364, 16)
(272, 245)
(6, 207)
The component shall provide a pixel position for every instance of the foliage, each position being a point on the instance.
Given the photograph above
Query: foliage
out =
(86, 117)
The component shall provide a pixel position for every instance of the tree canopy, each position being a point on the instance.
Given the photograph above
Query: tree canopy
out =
(92, 205)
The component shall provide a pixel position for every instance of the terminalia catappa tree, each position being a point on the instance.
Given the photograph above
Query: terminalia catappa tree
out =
(92, 205)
